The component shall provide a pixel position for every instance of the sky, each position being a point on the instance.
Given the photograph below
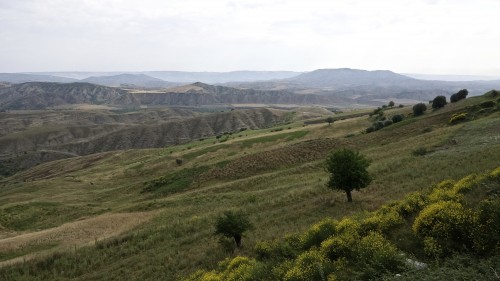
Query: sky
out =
(405, 36)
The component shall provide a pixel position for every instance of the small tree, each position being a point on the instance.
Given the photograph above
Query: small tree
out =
(391, 103)
(397, 118)
(233, 224)
(329, 120)
(348, 171)
(438, 102)
(419, 109)
(462, 94)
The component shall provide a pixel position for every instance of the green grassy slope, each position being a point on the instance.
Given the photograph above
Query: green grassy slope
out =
(277, 177)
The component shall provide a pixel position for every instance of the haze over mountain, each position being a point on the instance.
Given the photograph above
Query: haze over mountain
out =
(127, 79)
(327, 87)
(24, 77)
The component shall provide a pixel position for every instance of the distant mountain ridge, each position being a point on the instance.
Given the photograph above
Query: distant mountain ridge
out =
(23, 78)
(345, 77)
(134, 80)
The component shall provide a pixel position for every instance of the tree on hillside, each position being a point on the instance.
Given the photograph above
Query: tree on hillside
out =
(391, 103)
(438, 102)
(329, 120)
(233, 224)
(419, 109)
(460, 95)
(347, 171)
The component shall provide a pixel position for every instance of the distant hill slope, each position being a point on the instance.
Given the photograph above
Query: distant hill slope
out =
(221, 77)
(134, 80)
(56, 135)
(22, 78)
(204, 94)
(39, 95)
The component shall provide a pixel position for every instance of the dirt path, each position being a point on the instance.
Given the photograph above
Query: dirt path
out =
(78, 233)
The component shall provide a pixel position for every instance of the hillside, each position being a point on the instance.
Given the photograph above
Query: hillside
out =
(203, 94)
(129, 80)
(75, 207)
(33, 138)
(40, 95)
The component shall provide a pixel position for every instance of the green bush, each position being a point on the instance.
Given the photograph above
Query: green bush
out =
(421, 151)
(419, 109)
(387, 123)
(462, 94)
(487, 234)
(439, 102)
(397, 118)
(487, 104)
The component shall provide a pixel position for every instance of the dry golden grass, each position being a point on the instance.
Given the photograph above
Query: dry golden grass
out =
(74, 234)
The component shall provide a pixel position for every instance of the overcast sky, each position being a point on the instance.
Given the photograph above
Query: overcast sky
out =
(418, 36)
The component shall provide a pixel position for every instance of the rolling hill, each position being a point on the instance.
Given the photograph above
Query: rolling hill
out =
(32, 138)
(140, 214)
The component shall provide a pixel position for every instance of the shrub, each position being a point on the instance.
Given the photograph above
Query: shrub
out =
(419, 109)
(178, 161)
(421, 151)
(462, 94)
(411, 204)
(378, 125)
(439, 102)
(457, 117)
(397, 118)
(318, 233)
(381, 221)
(449, 223)
(380, 254)
(310, 265)
(401, 106)
(370, 129)
(487, 104)
(339, 246)
(387, 123)
(487, 235)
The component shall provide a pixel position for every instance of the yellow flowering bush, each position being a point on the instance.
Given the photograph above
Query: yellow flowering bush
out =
(457, 117)
(449, 222)
(381, 221)
(318, 233)
(310, 265)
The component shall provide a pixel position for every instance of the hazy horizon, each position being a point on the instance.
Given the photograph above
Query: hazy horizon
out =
(436, 37)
